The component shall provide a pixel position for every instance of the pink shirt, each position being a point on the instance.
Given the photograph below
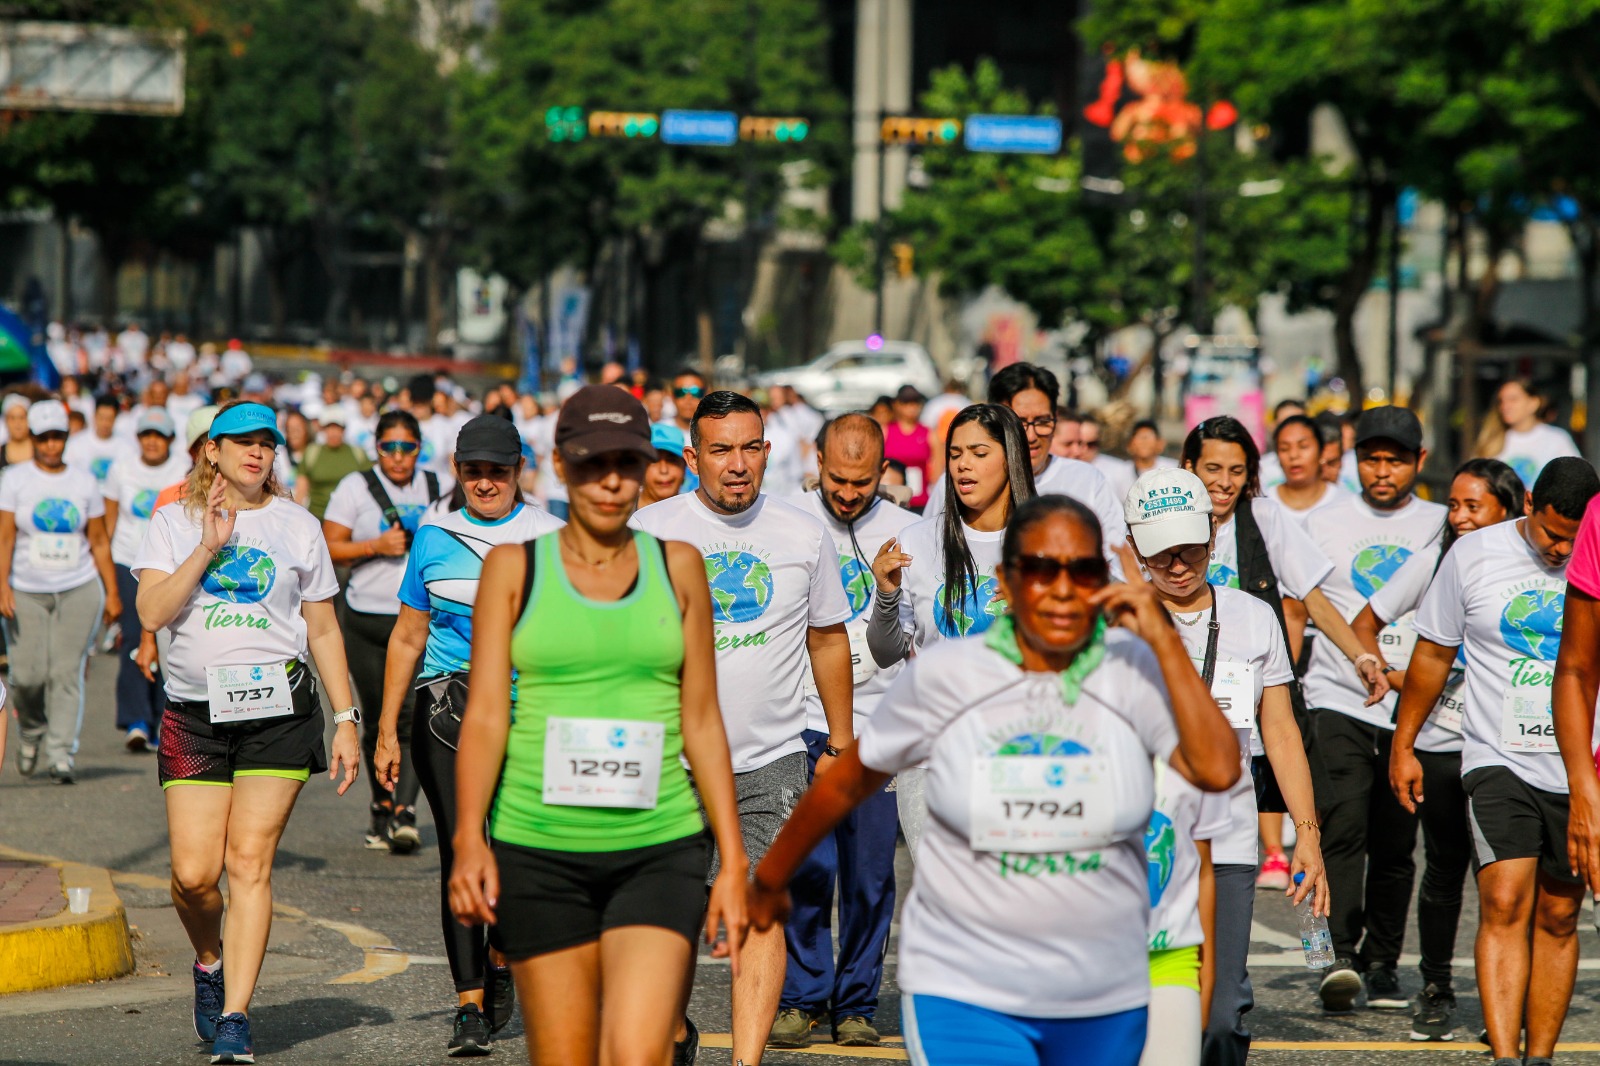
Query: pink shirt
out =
(1583, 571)
(914, 451)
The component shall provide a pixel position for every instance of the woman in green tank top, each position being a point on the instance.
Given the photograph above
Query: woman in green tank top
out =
(595, 846)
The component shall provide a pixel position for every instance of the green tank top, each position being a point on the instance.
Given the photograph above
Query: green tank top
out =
(580, 659)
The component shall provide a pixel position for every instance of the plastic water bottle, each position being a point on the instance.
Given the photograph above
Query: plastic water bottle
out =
(1314, 935)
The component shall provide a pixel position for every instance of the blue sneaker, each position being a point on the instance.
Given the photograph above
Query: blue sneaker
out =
(233, 1040)
(207, 1002)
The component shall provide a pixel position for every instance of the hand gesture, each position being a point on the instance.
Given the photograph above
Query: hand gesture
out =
(386, 760)
(391, 542)
(1405, 779)
(766, 907)
(888, 563)
(8, 601)
(112, 611)
(217, 527)
(1375, 680)
(145, 657)
(1133, 605)
(345, 755)
(474, 883)
(726, 908)
(1308, 861)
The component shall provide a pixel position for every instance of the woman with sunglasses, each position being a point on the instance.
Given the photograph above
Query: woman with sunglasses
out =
(434, 627)
(938, 578)
(371, 519)
(1238, 647)
(1023, 938)
(57, 585)
(240, 576)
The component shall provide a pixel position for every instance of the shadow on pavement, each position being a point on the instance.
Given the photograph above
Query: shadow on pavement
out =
(281, 1026)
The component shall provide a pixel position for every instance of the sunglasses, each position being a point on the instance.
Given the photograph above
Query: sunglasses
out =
(1193, 555)
(54, 434)
(1043, 570)
(399, 447)
(696, 391)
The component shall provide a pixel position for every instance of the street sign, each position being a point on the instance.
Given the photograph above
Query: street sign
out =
(1039, 134)
(60, 66)
(903, 130)
(713, 128)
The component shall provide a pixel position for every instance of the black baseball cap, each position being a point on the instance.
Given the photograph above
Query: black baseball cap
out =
(909, 394)
(603, 418)
(489, 439)
(1397, 424)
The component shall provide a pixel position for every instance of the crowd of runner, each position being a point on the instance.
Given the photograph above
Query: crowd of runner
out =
(673, 664)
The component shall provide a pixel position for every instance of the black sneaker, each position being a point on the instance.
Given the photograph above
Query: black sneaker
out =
(379, 815)
(1435, 1014)
(1383, 989)
(207, 1002)
(1339, 988)
(403, 835)
(499, 997)
(469, 1037)
(685, 1051)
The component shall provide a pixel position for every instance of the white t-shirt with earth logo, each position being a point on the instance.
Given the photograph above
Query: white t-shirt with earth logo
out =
(1045, 935)
(1494, 596)
(246, 609)
(134, 485)
(1529, 453)
(1395, 605)
(1368, 546)
(1298, 562)
(375, 583)
(774, 574)
(882, 522)
(55, 508)
(922, 584)
(1182, 816)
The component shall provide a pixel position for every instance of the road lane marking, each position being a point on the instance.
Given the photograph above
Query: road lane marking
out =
(890, 1052)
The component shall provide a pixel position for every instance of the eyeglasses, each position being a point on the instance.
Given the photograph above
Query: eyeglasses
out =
(1193, 555)
(1091, 445)
(398, 447)
(696, 391)
(1040, 426)
(1043, 570)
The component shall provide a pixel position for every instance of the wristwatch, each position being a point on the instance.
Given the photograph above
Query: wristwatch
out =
(349, 714)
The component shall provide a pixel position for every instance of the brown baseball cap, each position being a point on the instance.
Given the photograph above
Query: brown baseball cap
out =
(603, 418)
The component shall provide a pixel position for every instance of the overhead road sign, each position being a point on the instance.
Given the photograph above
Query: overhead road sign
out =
(714, 129)
(75, 66)
(790, 129)
(1038, 134)
(630, 124)
(901, 130)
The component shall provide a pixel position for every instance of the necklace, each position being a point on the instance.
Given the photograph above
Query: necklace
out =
(1182, 621)
(598, 565)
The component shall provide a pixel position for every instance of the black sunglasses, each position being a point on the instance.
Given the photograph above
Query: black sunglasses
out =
(1193, 555)
(1090, 571)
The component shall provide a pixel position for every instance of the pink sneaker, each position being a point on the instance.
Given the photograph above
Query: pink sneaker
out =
(1274, 872)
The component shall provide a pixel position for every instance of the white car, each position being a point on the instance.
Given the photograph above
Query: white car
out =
(850, 375)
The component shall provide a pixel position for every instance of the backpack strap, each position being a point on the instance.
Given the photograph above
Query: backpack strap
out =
(432, 481)
(1256, 575)
(386, 507)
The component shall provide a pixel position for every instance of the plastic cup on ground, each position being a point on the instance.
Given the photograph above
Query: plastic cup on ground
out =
(78, 900)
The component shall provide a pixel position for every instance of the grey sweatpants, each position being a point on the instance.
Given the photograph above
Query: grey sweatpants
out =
(48, 646)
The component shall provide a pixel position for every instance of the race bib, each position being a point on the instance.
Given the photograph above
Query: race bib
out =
(1447, 712)
(245, 693)
(1397, 641)
(1526, 722)
(1041, 803)
(1233, 686)
(862, 666)
(602, 762)
(55, 551)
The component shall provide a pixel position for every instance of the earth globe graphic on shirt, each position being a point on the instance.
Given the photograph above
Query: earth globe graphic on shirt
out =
(410, 515)
(1160, 840)
(1041, 744)
(741, 586)
(240, 575)
(144, 503)
(1530, 623)
(857, 579)
(1526, 467)
(100, 467)
(1222, 575)
(1374, 565)
(56, 516)
(973, 615)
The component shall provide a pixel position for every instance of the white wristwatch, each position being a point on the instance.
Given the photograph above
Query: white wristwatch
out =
(349, 714)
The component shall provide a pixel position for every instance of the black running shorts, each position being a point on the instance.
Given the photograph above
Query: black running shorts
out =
(194, 750)
(1510, 819)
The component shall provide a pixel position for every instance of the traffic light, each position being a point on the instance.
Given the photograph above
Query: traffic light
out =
(631, 124)
(897, 130)
(564, 124)
(785, 130)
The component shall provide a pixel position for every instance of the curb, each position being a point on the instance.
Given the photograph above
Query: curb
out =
(68, 949)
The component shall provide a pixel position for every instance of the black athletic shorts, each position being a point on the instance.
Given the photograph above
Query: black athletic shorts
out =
(1511, 819)
(553, 900)
(192, 749)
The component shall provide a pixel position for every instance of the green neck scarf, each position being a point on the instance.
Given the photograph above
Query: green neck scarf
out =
(1002, 638)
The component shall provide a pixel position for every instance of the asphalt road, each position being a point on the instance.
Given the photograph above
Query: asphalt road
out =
(355, 973)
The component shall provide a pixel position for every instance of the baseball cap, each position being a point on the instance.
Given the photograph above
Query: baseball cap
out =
(666, 438)
(1166, 508)
(47, 416)
(1399, 424)
(603, 418)
(199, 423)
(155, 420)
(909, 394)
(245, 418)
(332, 415)
(489, 439)
(15, 399)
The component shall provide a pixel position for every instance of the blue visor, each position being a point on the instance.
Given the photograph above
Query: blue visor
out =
(246, 418)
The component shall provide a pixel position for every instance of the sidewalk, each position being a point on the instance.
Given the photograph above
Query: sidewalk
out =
(42, 944)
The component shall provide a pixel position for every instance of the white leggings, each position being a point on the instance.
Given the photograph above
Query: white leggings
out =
(1174, 1032)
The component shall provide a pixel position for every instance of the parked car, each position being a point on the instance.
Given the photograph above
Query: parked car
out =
(850, 375)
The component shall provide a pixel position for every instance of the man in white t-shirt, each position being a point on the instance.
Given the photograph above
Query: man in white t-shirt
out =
(1499, 596)
(438, 433)
(1119, 473)
(97, 447)
(776, 602)
(1367, 837)
(860, 852)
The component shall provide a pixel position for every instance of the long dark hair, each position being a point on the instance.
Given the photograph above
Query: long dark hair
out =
(1005, 429)
(1229, 430)
(1504, 485)
(403, 419)
(1299, 420)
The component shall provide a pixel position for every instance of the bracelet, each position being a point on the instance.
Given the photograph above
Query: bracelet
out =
(1309, 824)
(213, 551)
(1364, 656)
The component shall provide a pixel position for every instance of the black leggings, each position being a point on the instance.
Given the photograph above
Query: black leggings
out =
(366, 638)
(1447, 847)
(465, 945)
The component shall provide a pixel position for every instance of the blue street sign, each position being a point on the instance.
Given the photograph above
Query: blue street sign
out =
(715, 128)
(1013, 133)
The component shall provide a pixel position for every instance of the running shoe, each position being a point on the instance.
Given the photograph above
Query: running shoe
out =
(378, 826)
(1383, 989)
(27, 758)
(1435, 1014)
(685, 1051)
(1339, 988)
(232, 1044)
(792, 1028)
(61, 774)
(138, 738)
(1274, 872)
(207, 1002)
(469, 1037)
(403, 835)
(499, 997)
(855, 1030)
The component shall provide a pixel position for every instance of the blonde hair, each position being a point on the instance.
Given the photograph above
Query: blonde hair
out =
(197, 487)
(1492, 434)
